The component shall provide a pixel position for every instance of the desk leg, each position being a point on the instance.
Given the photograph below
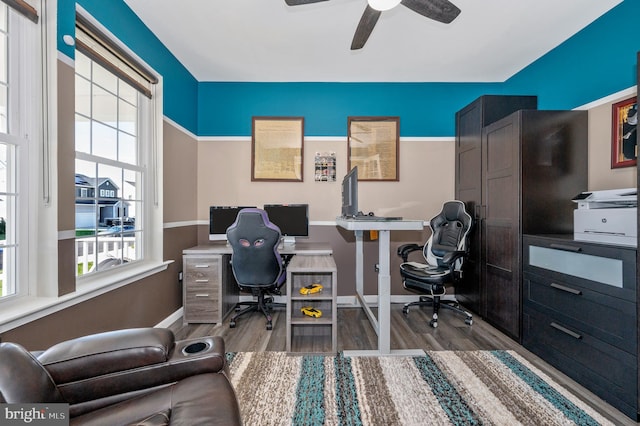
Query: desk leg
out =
(383, 323)
(359, 263)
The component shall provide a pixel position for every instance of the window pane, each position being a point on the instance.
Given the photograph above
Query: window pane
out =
(83, 66)
(128, 119)
(103, 141)
(127, 148)
(4, 114)
(104, 78)
(105, 106)
(3, 57)
(128, 93)
(83, 134)
(3, 173)
(83, 96)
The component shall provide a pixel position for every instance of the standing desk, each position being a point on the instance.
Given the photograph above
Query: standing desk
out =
(381, 324)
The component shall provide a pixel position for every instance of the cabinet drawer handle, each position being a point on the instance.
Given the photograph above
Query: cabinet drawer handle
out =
(202, 294)
(566, 247)
(566, 330)
(567, 289)
(204, 265)
(202, 281)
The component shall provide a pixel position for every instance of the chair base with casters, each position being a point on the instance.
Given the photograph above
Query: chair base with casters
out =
(435, 300)
(264, 304)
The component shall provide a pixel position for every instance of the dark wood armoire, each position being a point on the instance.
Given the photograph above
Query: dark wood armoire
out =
(534, 162)
(470, 121)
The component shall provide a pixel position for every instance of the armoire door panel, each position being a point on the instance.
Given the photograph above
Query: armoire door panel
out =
(503, 300)
(500, 247)
(499, 149)
(501, 198)
(468, 174)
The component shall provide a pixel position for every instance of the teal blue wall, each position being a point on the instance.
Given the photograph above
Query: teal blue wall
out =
(180, 87)
(596, 62)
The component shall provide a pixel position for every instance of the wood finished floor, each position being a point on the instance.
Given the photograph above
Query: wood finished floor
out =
(407, 332)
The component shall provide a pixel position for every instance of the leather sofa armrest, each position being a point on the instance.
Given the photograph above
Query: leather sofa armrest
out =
(107, 353)
(187, 358)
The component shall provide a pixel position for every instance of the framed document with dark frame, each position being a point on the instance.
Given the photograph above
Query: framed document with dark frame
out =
(373, 146)
(277, 149)
(624, 133)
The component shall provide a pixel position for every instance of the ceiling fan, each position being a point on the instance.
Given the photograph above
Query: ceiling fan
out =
(440, 10)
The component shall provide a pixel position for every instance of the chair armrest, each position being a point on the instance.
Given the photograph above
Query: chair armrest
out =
(451, 257)
(405, 249)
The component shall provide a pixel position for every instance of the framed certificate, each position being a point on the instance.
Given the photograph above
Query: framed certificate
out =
(277, 149)
(374, 147)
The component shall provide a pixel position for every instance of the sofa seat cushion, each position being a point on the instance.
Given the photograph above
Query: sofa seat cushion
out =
(205, 399)
(108, 352)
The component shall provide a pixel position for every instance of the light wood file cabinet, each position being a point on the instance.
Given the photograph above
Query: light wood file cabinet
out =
(304, 333)
(209, 289)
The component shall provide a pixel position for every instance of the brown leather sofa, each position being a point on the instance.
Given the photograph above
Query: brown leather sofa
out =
(141, 376)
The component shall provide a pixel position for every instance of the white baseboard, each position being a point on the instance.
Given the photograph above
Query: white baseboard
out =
(352, 301)
(170, 319)
(343, 302)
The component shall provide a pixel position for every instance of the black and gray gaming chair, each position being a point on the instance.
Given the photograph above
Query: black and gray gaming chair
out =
(443, 254)
(256, 263)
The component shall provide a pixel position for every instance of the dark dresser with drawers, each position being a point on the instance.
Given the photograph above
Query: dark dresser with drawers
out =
(579, 314)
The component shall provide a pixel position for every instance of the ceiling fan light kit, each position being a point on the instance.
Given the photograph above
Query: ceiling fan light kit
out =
(439, 10)
(383, 5)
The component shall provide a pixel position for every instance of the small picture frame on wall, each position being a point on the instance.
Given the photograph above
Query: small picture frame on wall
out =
(373, 146)
(624, 134)
(277, 149)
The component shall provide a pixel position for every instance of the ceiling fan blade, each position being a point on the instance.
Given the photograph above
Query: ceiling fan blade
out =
(440, 10)
(299, 2)
(365, 26)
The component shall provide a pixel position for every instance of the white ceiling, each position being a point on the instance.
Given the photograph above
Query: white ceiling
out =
(266, 40)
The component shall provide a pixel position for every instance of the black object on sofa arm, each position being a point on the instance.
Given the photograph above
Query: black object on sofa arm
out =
(125, 376)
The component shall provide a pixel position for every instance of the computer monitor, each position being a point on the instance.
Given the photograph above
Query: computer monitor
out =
(350, 194)
(292, 219)
(220, 218)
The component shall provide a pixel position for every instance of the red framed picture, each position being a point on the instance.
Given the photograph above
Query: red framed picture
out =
(624, 134)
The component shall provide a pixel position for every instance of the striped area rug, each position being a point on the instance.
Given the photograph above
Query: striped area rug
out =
(441, 388)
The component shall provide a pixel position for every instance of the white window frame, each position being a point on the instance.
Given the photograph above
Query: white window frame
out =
(41, 298)
(150, 153)
(25, 135)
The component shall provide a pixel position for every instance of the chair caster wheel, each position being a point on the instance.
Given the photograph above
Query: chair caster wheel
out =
(232, 324)
(269, 326)
(433, 323)
(468, 321)
(405, 310)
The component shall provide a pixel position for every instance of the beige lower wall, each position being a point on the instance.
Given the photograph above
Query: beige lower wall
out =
(426, 180)
(601, 175)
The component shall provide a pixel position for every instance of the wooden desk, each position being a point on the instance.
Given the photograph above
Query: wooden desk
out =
(209, 290)
(381, 324)
(300, 247)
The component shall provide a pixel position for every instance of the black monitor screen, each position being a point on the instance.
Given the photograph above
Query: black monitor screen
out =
(292, 219)
(350, 193)
(220, 218)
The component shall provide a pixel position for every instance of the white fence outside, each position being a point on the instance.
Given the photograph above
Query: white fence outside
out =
(115, 248)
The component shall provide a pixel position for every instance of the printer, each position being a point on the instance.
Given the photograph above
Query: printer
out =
(606, 216)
